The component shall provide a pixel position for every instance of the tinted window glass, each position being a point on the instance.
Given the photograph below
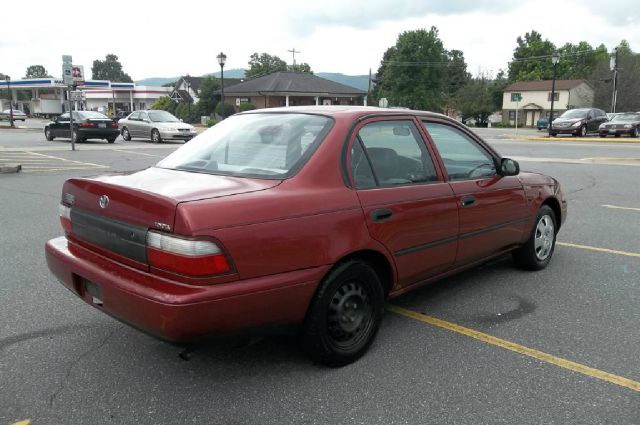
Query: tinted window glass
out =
(143, 116)
(64, 117)
(134, 116)
(463, 158)
(92, 115)
(397, 153)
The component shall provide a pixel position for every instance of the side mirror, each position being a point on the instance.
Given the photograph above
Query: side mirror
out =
(181, 120)
(509, 167)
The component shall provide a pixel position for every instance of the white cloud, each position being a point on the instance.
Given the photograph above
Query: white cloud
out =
(162, 38)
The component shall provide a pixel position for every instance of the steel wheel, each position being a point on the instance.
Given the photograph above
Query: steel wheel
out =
(349, 315)
(344, 315)
(583, 131)
(544, 237)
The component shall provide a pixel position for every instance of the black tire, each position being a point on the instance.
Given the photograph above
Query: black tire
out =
(536, 253)
(583, 131)
(616, 135)
(48, 134)
(111, 139)
(155, 136)
(344, 315)
(603, 135)
(126, 136)
(554, 134)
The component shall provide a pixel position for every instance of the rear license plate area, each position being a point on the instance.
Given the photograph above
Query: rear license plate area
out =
(92, 292)
(102, 125)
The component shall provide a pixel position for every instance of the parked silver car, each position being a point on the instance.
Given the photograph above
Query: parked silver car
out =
(18, 115)
(156, 126)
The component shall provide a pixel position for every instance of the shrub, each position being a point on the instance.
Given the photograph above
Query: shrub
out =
(246, 106)
(228, 109)
(212, 121)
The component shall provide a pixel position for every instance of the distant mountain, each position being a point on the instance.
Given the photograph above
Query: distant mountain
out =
(358, 81)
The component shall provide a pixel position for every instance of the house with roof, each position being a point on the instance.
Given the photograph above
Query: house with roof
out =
(530, 100)
(292, 89)
(187, 88)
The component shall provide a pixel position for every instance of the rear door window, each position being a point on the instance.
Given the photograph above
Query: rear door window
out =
(387, 153)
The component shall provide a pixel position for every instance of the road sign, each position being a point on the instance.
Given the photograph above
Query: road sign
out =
(67, 70)
(383, 103)
(77, 96)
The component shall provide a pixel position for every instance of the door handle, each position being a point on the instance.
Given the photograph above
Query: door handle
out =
(381, 214)
(467, 201)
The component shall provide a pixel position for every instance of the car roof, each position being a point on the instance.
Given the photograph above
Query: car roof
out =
(345, 111)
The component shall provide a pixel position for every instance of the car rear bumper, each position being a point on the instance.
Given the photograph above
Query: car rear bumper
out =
(98, 133)
(178, 312)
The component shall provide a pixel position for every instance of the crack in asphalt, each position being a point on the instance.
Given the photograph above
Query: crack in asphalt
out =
(590, 185)
(72, 366)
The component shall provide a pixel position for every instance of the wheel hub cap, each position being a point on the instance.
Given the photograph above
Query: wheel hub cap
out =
(545, 234)
(348, 312)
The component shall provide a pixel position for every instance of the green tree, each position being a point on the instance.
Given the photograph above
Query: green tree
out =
(164, 103)
(264, 64)
(109, 69)
(300, 67)
(474, 100)
(628, 81)
(37, 71)
(228, 109)
(207, 103)
(497, 89)
(416, 74)
(528, 61)
(380, 85)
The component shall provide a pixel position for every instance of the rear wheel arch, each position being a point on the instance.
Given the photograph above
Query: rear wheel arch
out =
(376, 260)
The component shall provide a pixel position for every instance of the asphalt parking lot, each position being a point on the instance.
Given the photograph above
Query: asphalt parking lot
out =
(494, 345)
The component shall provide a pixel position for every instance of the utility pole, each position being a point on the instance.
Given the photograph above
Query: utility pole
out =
(613, 64)
(293, 53)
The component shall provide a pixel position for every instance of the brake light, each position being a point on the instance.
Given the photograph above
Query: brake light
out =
(87, 124)
(65, 217)
(192, 257)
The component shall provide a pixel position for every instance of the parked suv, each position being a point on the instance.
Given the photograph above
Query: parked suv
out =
(578, 122)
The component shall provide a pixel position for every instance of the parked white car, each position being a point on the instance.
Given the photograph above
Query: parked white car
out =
(155, 126)
(18, 115)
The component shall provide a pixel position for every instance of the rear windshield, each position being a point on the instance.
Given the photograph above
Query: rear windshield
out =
(575, 113)
(261, 145)
(92, 114)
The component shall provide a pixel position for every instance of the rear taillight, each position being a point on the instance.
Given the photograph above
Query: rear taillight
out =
(114, 125)
(65, 217)
(87, 124)
(191, 257)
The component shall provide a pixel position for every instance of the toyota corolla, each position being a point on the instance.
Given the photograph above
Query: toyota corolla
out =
(303, 218)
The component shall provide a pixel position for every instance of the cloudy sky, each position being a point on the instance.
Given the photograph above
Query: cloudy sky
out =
(168, 38)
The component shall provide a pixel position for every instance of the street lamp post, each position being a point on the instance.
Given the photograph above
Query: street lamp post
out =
(222, 59)
(8, 79)
(555, 58)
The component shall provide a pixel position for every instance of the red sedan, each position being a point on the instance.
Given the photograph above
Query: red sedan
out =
(305, 218)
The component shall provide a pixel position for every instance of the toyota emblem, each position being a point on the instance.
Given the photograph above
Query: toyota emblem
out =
(103, 201)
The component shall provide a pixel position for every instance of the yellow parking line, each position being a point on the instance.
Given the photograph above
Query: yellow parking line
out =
(595, 248)
(517, 348)
(615, 207)
(25, 422)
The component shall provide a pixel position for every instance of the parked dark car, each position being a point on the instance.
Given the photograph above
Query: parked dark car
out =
(622, 124)
(578, 122)
(305, 218)
(86, 125)
(543, 123)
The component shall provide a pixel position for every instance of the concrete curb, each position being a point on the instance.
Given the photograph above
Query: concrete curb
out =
(10, 168)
